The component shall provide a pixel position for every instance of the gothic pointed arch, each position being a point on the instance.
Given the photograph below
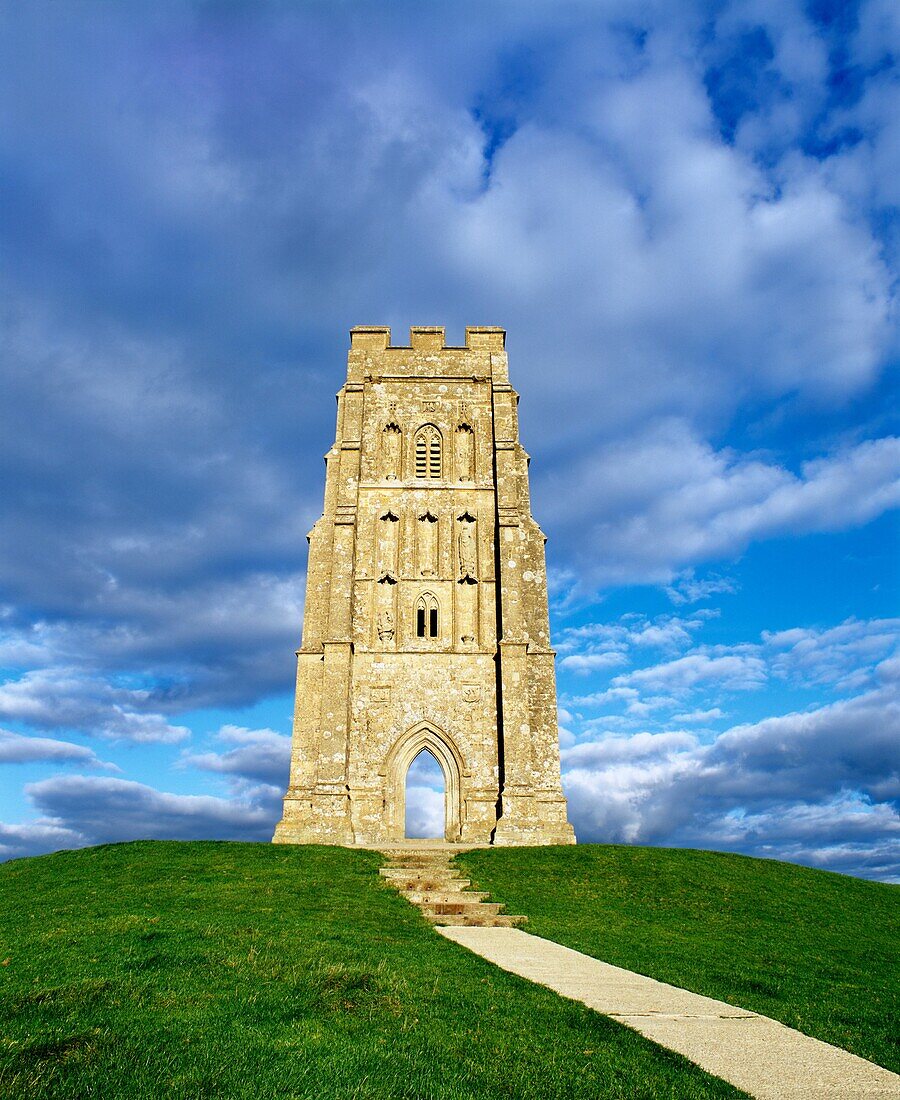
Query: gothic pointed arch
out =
(424, 735)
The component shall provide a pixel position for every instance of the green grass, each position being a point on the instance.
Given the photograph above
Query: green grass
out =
(248, 970)
(815, 950)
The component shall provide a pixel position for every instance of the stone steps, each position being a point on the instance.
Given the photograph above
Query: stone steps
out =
(425, 897)
(499, 920)
(422, 880)
(428, 879)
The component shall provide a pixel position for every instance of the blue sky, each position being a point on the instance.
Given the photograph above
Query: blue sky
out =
(686, 216)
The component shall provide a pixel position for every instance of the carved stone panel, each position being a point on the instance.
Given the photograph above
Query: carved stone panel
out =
(467, 548)
(391, 449)
(426, 544)
(387, 536)
(467, 611)
(465, 453)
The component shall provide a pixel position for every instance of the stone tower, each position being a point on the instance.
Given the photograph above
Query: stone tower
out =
(426, 622)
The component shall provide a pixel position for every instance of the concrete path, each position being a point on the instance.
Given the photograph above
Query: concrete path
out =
(759, 1055)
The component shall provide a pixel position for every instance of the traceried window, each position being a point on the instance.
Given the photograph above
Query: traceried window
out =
(426, 616)
(428, 452)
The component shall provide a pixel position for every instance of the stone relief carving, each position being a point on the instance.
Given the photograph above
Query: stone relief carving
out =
(391, 440)
(467, 549)
(427, 544)
(385, 625)
(465, 453)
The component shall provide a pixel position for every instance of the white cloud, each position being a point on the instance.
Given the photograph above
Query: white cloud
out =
(687, 589)
(819, 786)
(262, 755)
(698, 717)
(732, 672)
(424, 812)
(664, 500)
(425, 797)
(843, 656)
(35, 838)
(99, 811)
(16, 748)
(66, 699)
(584, 663)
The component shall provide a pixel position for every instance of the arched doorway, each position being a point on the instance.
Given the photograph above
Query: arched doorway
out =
(441, 747)
(425, 798)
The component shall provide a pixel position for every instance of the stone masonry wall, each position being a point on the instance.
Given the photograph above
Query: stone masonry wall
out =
(426, 620)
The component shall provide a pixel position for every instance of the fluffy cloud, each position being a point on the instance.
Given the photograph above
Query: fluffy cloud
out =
(688, 589)
(96, 810)
(62, 699)
(425, 797)
(260, 755)
(600, 646)
(36, 838)
(843, 656)
(15, 748)
(732, 672)
(590, 662)
(172, 307)
(183, 257)
(664, 500)
(820, 786)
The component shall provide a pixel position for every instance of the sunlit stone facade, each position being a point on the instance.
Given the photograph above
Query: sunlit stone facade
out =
(426, 621)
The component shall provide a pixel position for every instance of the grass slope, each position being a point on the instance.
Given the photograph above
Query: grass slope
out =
(162, 969)
(816, 950)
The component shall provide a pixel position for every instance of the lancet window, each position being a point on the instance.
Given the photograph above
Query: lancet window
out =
(428, 452)
(426, 616)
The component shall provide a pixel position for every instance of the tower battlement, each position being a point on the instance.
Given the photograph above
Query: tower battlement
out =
(427, 338)
(372, 356)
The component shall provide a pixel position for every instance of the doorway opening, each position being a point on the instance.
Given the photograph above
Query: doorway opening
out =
(426, 799)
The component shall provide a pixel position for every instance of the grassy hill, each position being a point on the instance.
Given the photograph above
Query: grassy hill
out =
(215, 969)
(190, 970)
(818, 951)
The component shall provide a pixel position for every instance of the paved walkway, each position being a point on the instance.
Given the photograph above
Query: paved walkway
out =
(759, 1055)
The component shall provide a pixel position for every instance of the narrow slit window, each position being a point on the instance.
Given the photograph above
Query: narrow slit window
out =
(420, 622)
(432, 622)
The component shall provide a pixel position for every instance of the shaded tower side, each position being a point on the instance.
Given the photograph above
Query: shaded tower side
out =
(533, 806)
